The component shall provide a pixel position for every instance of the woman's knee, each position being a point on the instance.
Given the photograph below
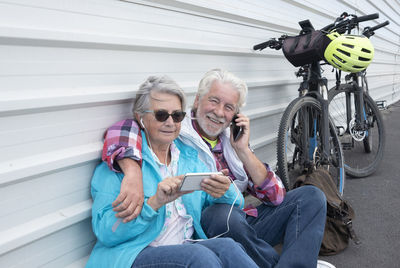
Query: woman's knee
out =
(232, 254)
(231, 245)
(222, 252)
(200, 256)
(186, 255)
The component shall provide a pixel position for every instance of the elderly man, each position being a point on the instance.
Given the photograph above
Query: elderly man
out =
(296, 218)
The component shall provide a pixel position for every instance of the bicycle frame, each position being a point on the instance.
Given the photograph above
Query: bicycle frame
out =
(306, 132)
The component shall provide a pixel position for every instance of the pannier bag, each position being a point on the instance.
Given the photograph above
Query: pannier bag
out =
(338, 227)
(305, 48)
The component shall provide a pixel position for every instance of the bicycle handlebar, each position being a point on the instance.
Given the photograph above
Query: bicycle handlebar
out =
(272, 43)
(261, 46)
(368, 30)
(346, 22)
(367, 17)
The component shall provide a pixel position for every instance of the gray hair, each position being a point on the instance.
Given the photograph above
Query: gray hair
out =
(224, 77)
(162, 84)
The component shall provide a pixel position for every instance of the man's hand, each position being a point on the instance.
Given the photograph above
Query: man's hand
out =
(243, 142)
(129, 202)
(253, 165)
(217, 185)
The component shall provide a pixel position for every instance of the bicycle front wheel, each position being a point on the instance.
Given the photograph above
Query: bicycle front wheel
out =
(362, 148)
(299, 146)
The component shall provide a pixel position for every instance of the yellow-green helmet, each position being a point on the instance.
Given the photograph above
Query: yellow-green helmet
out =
(349, 53)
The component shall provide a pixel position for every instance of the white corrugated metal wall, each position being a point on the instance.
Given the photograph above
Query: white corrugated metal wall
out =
(68, 69)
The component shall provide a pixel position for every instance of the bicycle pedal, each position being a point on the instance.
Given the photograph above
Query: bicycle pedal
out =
(382, 105)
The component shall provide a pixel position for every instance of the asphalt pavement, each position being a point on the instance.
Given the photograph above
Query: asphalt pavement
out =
(376, 201)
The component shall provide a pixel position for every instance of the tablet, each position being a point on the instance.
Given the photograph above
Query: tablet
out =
(192, 181)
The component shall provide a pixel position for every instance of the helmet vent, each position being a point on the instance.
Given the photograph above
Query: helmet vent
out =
(343, 52)
(337, 64)
(358, 67)
(363, 59)
(366, 50)
(348, 45)
(339, 59)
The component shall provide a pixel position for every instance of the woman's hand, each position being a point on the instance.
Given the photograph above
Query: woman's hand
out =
(217, 185)
(167, 191)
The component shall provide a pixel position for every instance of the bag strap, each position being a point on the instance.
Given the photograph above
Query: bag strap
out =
(294, 45)
(349, 226)
(308, 40)
(343, 215)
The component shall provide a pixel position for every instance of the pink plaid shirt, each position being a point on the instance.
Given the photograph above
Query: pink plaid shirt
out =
(123, 140)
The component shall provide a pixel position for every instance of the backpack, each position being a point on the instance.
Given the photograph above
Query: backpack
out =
(338, 226)
(305, 48)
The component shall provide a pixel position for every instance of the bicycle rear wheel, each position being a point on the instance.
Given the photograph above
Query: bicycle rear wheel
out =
(293, 160)
(362, 150)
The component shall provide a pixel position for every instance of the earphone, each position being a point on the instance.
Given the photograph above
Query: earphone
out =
(141, 122)
(238, 193)
(145, 130)
(119, 220)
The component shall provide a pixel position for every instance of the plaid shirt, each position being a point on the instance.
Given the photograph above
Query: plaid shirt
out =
(271, 191)
(123, 140)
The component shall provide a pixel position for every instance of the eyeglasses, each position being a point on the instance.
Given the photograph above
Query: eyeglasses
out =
(162, 115)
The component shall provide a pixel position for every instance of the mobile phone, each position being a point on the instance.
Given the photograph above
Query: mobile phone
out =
(306, 25)
(192, 181)
(236, 130)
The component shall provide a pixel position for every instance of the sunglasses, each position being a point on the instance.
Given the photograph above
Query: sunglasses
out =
(162, 115)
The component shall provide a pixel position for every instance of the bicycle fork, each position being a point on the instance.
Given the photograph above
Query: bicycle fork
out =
(357, 126)
(324, 121)
(315, 121)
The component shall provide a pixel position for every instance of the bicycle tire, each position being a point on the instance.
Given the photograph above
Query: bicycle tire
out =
(361, 158)
(289, 145)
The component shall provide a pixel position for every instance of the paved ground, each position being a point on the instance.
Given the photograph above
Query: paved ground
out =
(376, 201)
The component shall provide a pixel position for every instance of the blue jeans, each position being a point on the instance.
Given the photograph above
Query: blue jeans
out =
(219, 252)
(298, 222)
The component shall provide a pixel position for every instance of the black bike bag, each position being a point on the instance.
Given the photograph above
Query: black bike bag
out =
(305, 48)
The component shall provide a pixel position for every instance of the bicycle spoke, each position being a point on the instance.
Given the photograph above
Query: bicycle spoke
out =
(303, 119)
(362, 148)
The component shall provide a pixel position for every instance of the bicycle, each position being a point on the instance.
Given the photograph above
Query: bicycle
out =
(307, 138)
(357, 117)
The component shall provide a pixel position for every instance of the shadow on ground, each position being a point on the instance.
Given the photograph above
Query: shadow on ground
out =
(376, 201)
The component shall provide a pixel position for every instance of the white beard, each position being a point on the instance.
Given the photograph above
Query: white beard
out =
(202, 121)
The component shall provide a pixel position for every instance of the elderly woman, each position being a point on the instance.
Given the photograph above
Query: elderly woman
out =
(160, 235)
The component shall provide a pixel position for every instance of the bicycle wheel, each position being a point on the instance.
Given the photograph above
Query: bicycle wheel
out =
(362, 149)
(293, 161)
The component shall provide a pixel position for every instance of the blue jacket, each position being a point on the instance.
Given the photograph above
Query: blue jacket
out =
(120, 248)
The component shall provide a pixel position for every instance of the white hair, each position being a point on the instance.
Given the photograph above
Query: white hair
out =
(156, 84)
(224, 77)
